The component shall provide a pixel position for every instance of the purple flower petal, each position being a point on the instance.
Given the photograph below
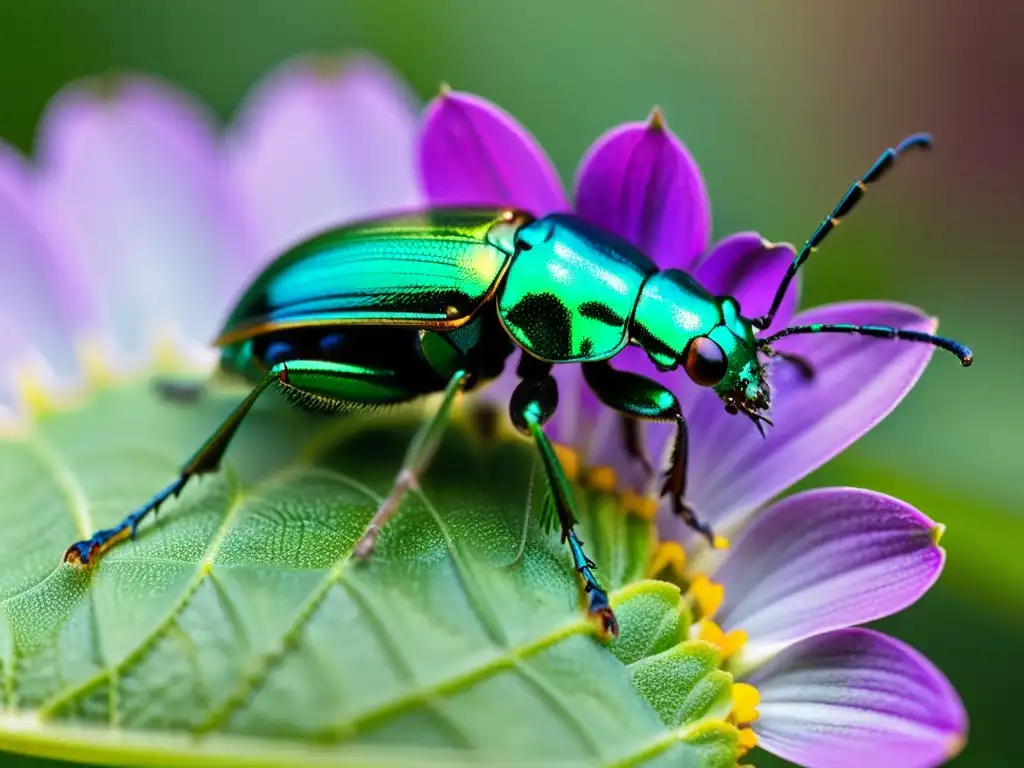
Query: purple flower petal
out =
(474, 153)
(42, 290)
(134, 177)
(855, 698)
(639, 181)
(319, 143)
(858, 381)
(822, 560)
(750, 269)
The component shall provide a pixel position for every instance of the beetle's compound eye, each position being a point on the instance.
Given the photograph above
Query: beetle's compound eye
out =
(705, 362)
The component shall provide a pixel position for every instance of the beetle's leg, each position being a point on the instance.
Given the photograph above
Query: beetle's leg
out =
(532, 404)
(642, 398)
(632, 443)
(206, 459)
(418, 455)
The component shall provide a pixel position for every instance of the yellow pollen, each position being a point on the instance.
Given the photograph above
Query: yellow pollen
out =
(745, 699)
(33, 395)
(95, 368)
(937, 532)
(668, 555)
(166, 354)
(720, 542)
(569, 460)
(709, 596)
(642, 506)
(747, 741)
(601, 479)
(727, 642)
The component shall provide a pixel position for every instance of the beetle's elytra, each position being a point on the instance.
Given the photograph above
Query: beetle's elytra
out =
(388, 310)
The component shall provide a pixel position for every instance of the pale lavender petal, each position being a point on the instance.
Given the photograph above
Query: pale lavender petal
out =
(750, 269)
(134, 177)
(855, 698)
(471, 152)
(23, 358)
(858, 381)
(823, 560)
(320, 143)
(42, 290)
(639, 181)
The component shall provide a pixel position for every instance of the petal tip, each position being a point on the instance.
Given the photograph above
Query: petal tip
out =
(656, 120)
(956, 744)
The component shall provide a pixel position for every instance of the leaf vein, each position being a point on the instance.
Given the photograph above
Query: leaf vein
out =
(482, 608)
(563, 708)
(67, 484)
(203, 568)
(453, 683)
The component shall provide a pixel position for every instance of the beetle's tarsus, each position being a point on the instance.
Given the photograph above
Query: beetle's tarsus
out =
(689, 516)
(599, 609)
(88, 550)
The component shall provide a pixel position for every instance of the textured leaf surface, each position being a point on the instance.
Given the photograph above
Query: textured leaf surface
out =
(236, 631)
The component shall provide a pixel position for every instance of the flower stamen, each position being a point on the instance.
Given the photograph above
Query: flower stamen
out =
(747, 741)
(669, 556)
(602, 478)
(745, 699)
(33, 395)
(645, 507)
(727, 642)
(707, 595)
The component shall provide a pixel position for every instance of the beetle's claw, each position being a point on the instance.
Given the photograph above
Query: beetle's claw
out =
(690, 517)
(600, 610)
(80, 552)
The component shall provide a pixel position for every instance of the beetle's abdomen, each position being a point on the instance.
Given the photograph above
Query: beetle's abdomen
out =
(569, 293)
(428, 270)
(381, 364)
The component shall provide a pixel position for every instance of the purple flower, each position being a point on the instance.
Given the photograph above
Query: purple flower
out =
(139, 220)
(803, 570)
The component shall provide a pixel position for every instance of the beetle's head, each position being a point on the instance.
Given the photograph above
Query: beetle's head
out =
(726, 359)
(681, 325)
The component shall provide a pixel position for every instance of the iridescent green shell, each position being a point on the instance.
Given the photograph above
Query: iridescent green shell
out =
(431, 270)
(570, 293)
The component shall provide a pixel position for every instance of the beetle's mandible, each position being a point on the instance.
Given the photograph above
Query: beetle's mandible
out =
(389, 310)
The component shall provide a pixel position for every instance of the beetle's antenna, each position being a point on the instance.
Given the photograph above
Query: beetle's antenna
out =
(847, 204)
(878, 331)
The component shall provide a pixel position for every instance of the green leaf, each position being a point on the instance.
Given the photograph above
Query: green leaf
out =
(236, 631)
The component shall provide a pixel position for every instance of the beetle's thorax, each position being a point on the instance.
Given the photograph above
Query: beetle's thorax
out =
(571, 289)
(674, 311)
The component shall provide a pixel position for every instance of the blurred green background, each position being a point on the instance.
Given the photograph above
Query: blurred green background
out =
(782, 104)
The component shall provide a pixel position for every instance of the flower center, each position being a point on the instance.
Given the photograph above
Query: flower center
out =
(702, 597)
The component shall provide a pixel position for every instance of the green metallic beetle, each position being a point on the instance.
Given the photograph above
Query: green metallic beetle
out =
(389, 310)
